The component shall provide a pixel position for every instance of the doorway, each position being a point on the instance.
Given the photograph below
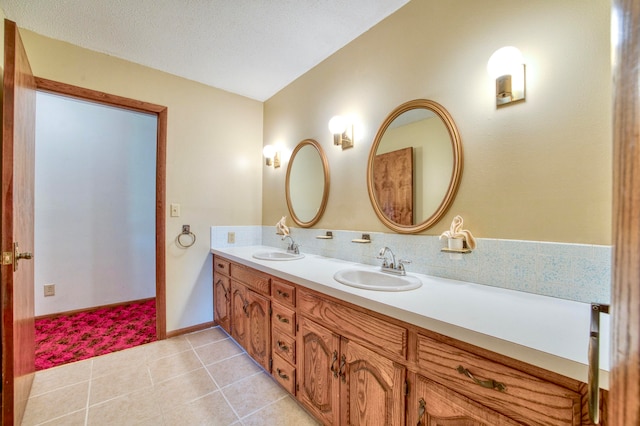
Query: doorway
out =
(95, 168)
(145, 230)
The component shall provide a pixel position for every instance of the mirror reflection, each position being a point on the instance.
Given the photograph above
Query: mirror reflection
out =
(414, 166)
(307, 183)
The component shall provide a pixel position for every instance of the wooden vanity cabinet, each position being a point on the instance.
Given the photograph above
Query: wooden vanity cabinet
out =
(283, 332)
(342, 382)
(350, 366)
(222, 294)
(250, 313)
(431, 404)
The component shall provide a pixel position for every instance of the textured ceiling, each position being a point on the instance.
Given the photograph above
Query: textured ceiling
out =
(250, 47)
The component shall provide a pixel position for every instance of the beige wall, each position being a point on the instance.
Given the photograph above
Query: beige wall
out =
(214, 160)
(540, 170)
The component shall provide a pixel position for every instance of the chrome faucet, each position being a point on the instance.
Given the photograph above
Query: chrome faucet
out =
(393, 266)
(293, 247)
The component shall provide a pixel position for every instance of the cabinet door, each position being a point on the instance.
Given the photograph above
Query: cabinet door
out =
(239, 313)
(222, 301)
(431, 404)
(318, 369)
(258, 343)
(372, 387)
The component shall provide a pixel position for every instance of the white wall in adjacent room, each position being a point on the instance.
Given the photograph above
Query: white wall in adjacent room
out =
(94, 204)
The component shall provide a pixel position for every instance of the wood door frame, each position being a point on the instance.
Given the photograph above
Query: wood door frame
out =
(624, 400)
(160, 111)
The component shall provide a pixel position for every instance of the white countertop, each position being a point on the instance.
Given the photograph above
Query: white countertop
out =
(544, 331)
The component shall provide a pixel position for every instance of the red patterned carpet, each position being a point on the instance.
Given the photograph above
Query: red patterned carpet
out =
(75, 337)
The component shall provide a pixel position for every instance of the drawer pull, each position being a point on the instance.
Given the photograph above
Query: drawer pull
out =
(283, 294)
(421, 410)
(282, 375)
(220, 265)
(490, 383)
(282, 346)
(333, 367)
(282, 319)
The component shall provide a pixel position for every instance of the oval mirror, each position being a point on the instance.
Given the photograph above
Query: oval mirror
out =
(415, 166)
(307, 183)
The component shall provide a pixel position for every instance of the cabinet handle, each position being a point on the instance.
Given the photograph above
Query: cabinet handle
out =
(594, 362)
(282, 375)
(283, 293)
(244, 308)
(282, 346)
(220, 265)
(333, 367)
(421, 410)
(343, 363)
(490, 383)
(282, 319)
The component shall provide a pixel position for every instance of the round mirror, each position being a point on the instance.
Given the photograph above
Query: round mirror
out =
(307, 183)
(415, 166)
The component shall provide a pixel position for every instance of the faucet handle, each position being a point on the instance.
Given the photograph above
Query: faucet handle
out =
(402, 262)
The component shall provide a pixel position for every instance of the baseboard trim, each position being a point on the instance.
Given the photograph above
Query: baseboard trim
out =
(191, 329)
(94, 308)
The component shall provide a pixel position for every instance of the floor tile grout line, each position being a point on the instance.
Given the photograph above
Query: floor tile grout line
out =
(217, 385)
(262, 408)
(86, 414)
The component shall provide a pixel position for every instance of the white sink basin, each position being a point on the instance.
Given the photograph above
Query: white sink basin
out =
(376, 280)
(277, 255)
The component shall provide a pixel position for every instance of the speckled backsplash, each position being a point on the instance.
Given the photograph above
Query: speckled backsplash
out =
(578, 272)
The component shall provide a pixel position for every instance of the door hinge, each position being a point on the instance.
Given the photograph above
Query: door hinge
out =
(406, 387)
(7, 258)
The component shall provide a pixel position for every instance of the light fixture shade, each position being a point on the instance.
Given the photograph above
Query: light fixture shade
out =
(268, 151)
(337, 125)
(505, 61)
(507, 67)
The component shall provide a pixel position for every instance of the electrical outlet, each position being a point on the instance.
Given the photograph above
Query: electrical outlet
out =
(49, 290)
(231, 237)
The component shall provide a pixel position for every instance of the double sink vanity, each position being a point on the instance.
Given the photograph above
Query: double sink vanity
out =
(371, 345)
(353, 348)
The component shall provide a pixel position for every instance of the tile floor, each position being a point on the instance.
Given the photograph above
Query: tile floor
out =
(202, 378)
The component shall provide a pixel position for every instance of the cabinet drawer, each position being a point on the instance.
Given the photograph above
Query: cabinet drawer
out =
(221, 266)
(284, 345)
(353, 324)
(283, 319)
(285, 374)
(523, 397)
(283, 292)
(257, 281)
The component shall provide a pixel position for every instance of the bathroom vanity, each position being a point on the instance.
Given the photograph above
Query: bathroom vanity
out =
(448, 351)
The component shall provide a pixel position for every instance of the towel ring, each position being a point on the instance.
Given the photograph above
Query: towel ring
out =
(186, 230)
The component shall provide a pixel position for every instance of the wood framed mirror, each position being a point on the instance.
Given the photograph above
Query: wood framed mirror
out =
(415, 166)
(307, 183)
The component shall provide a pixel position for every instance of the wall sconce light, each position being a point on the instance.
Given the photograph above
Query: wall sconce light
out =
(342, 131)
(507, 67)
(272, 156)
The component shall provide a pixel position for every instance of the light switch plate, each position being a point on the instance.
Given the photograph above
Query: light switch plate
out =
(175, 210)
